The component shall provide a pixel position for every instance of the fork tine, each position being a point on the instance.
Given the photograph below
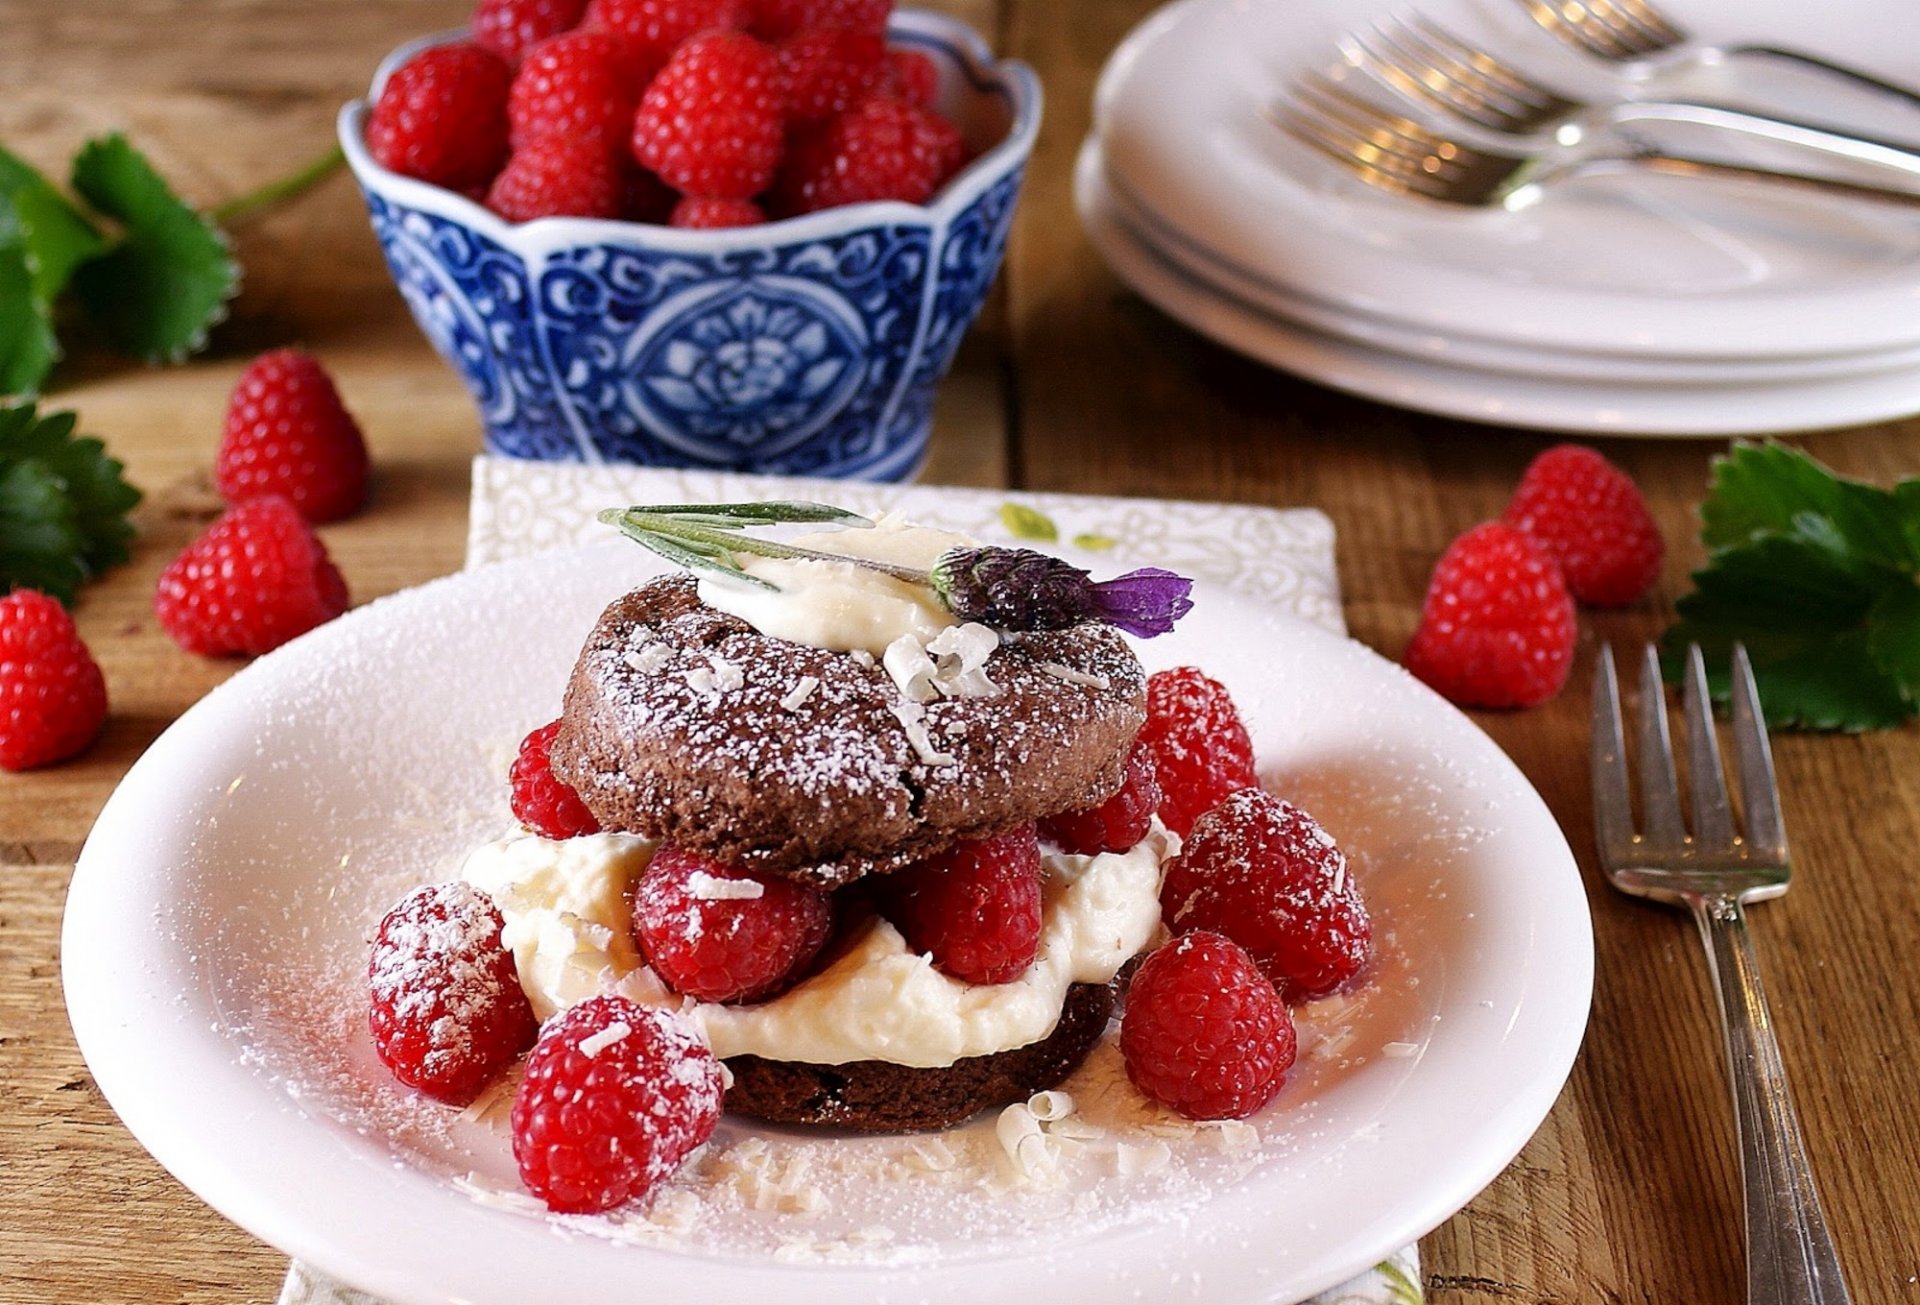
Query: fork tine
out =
(1467, 63)
(1612, 808)
(1383, 149)
(1712, 817)
(1753, 758)
(1659, 787)
(1574, 23)
(1642, 20)
(1400, 56)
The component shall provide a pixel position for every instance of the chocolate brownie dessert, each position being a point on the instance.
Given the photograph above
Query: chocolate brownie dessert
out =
(872, 1096)
(686, 724)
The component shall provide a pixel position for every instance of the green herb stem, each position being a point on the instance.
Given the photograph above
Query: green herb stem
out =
(283, 188)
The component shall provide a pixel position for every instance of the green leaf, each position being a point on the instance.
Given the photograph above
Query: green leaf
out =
(1893, 636)
(158, 290)
(1094, 543)
(39, 542)
(1023, 522)
(63, 510)
(1770, 489)
(51, 232)
(28, 349)
(1802, 614)
(1401, 1288)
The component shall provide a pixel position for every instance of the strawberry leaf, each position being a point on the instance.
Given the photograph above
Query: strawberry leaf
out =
(39, 542)
(63, 504)
(168, 279)
(1770, 489)
(1817, 576)
(49, 231)
(28, 349)
(42, 239)
(1893, 636)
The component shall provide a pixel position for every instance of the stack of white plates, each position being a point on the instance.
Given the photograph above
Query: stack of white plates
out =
(1631, 304)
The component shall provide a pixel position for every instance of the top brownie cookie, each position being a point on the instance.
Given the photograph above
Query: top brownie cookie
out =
(686, 724)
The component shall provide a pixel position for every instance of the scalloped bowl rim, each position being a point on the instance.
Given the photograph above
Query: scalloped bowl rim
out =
(1011, 78)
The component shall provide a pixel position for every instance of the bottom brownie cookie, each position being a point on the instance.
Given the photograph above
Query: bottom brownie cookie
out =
(873, 1096)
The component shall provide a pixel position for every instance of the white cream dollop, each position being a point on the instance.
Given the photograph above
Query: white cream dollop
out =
(569, 921)
(880, 1000)
(837, 605)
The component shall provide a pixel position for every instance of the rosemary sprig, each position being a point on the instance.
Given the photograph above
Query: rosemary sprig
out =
(1007, 588)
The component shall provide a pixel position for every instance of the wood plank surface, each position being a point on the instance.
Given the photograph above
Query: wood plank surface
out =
(1628, 1194)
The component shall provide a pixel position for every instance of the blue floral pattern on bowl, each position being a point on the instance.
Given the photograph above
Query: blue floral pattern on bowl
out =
(805, 347)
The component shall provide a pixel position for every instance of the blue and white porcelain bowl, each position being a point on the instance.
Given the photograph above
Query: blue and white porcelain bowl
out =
(809, 346)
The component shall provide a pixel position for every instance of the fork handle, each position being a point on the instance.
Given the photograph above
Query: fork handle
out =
(1839, 71)
(1790, 1257)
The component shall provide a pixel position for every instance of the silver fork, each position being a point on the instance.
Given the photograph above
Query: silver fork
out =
(1713, 872)
(1431, 68)
(1635, 35)
(1397, 154)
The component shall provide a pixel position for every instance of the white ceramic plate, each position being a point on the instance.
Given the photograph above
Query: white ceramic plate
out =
(1481, 353)
(215, 936)
(1633, 265)
(1426, 384)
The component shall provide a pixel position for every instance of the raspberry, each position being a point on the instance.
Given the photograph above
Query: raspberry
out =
(712, 214)
(254, 580)
(1497, 627)
(442, 117)
(574, 87)
(776, 20)
(656, 28)
(912, 77)
(558, 177)
(719, 933)
(447, 1011)
(53, 699)
(615, 1096)
(974, 907)
(1116, 824)
(1200, 749)
(710, 124)
(287, 433)
(879, 149)
(510, 28)
(827, 69)
(1204, 1032)
(541, 801)
(1589, 517)
(1265, 874)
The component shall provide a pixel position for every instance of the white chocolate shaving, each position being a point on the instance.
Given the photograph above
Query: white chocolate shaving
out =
(595, 1043)
(712, 888)
(1072, 676)
(802, 690)
(912, 670)
(1050, 1106)
(913, 719)
(1025, 1144)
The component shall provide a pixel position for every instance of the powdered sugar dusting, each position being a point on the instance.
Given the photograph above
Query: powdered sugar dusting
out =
(288, 912)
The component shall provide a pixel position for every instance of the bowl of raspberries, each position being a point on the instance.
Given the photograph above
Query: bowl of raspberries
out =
(740, 235)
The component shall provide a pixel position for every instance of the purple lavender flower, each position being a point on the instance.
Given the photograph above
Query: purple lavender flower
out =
(1019, 589)
(1144, 602)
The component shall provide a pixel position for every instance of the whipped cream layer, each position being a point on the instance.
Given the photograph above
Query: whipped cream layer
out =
(567, 906)
(837, 605)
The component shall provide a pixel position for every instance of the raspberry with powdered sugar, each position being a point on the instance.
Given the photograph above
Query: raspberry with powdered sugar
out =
(448, 1013)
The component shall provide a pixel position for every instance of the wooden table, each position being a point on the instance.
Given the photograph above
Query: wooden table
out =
(1627, 1194)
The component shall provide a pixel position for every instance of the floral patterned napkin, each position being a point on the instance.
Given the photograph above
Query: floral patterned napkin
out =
(1284, 557)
